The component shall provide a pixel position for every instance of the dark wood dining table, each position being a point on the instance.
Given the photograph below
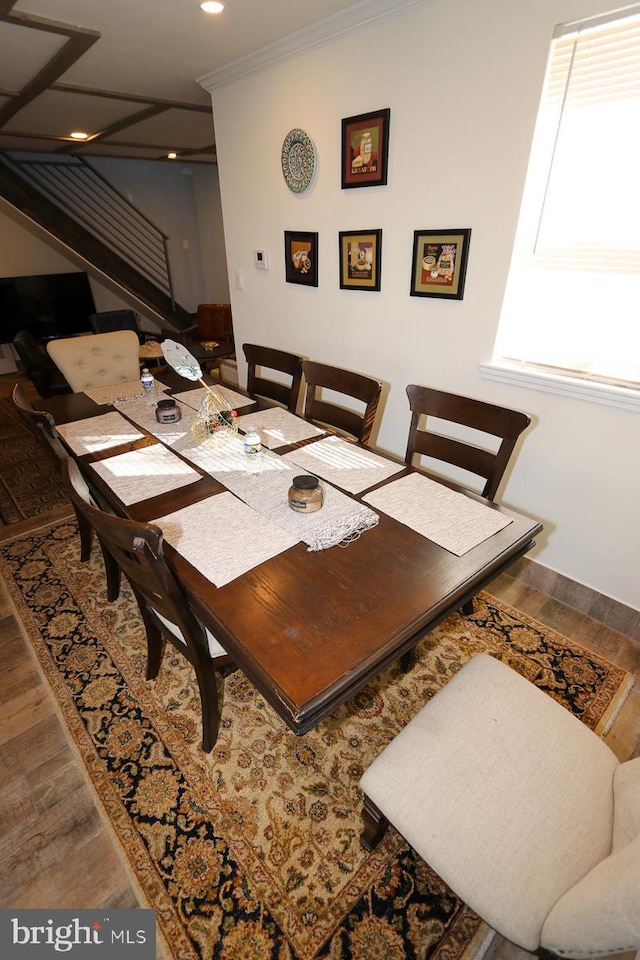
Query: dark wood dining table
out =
(310, 629)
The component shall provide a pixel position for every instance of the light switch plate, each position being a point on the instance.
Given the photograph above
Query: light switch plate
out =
(261, 259)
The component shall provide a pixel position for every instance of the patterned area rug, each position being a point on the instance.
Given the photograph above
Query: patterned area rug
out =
(253, 851)
(30, 484)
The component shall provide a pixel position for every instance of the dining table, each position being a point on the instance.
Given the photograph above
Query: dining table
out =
(310, 607)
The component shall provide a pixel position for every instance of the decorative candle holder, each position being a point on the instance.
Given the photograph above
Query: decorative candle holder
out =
(215, 422)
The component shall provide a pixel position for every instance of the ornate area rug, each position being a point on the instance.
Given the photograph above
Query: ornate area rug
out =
(30, 485)
(253, 851)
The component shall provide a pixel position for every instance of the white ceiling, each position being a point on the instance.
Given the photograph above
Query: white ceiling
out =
(126, 71)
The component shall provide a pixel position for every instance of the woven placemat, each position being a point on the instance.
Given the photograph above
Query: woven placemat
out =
(345, 464)
(145, 473)
(450, 519)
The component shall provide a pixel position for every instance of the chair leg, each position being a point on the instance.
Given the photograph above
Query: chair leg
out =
(375, 825)
(113, 574)
(208, 686)
(468, 608)
(155, 647)
(86, 535)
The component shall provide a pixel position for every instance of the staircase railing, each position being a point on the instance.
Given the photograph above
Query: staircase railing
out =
(84, 194)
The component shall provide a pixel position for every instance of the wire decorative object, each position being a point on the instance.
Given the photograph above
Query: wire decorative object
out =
(215, 422)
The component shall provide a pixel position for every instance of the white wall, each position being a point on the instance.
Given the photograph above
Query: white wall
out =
(183, 200)
(206, 187)
(462, 80)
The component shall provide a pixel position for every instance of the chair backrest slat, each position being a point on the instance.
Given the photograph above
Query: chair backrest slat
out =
(41, 423)
(272, 359)
(328, 413)
(500, 422)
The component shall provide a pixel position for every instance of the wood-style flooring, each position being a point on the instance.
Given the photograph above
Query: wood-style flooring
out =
(56, 849)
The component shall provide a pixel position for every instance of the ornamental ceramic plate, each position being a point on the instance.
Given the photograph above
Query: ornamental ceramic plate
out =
(298, 160)
(181, 360)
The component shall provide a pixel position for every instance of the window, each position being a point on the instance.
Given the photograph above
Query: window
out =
(572, 303)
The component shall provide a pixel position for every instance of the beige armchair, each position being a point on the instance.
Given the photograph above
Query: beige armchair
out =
(526, 814)
(98, 360)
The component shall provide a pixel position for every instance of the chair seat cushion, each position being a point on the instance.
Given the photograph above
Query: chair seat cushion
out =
(505, 794)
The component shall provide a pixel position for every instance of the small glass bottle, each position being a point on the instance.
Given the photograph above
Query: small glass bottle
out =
(148, 385)
(253, 451)
(305, 494)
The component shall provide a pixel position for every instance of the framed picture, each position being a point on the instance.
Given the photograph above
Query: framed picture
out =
(360, 259)
(365, 149)
(301, 257)
(439, 263)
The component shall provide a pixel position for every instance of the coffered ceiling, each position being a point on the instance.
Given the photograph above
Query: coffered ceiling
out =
(125, 71)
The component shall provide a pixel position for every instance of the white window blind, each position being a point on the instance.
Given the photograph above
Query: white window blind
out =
(572, 302)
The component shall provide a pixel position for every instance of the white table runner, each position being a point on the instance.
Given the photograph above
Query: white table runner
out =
(98, 433)
(347, 466)
(121, 392)
(169, 433)
(340, 520)
(278, 427)
(223, 537)
(193, 397)
(145, 473)
(438, 513)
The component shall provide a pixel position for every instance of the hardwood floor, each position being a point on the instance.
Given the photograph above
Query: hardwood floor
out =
(56, 849)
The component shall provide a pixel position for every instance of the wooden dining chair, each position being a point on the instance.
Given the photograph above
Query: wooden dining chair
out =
(109, 320)
(43, 426)
(487, 418)
(259, 385)
(164, 606)
(39, 366)
(318, 409)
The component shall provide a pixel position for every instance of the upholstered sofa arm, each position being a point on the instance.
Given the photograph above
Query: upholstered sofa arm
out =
(504, 793)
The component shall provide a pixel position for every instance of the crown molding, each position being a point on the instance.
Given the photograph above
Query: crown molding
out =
(331, 28)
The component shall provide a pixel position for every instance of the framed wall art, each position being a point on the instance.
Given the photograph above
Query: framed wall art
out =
(301, 257)
(439, 263)
(360, 259)
(365, 149)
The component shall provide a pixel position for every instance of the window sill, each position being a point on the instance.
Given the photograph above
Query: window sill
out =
(625, 398)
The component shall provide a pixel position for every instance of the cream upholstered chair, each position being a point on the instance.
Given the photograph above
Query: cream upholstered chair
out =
(97, 360)
(522, 810)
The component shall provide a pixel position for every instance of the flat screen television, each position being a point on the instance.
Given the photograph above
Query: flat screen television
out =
(49, 305)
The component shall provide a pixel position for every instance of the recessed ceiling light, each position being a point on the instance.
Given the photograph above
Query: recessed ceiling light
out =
(78, 135)
(212, 6)
(172, 156)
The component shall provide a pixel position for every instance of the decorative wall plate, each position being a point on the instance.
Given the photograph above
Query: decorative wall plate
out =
(298, 160)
